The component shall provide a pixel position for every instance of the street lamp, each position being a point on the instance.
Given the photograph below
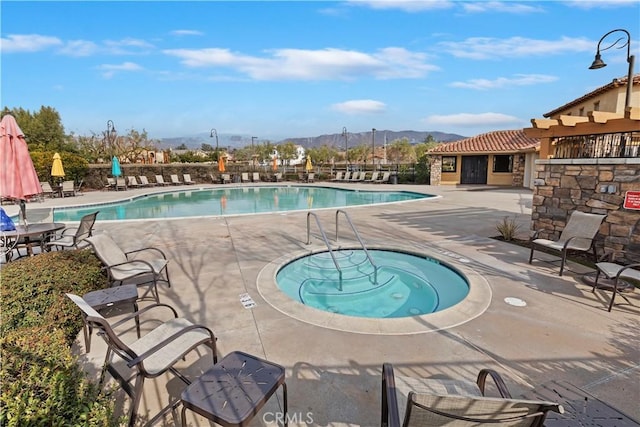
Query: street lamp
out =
(599, 63)
(253, 153)
(373, 148)
(346, 146)
(215, 132)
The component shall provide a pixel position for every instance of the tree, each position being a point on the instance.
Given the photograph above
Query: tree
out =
(207, 147)
(322, 155)
(401, 151)
(43, 130)
(182, 147)
(287, 151)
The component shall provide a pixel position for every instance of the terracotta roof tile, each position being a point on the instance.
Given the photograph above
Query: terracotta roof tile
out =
(491, 142)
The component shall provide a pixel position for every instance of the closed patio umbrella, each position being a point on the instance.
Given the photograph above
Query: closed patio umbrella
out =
(221, 167)
(115, 167)
(56, 168)
(308, 167)
(274, 166)
(18, 177)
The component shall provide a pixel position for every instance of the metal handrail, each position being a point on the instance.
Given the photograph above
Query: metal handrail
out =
(326, 241)
(366, 252)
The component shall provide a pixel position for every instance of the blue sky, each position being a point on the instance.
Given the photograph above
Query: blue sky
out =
(277, 69)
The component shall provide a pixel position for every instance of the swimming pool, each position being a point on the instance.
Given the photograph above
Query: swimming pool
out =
(377, 283)
(233, 201)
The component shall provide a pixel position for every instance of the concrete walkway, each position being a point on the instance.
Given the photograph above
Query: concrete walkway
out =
(333, 375)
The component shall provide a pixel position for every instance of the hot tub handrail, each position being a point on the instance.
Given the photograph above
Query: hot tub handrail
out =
(366, 252)
(326, 241)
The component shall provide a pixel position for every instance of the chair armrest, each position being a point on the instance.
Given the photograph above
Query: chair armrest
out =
(390, 416)
(143, 311)
(168, 340)
(627, 267)
(534, 235)
(146, 249)
(497, 379)
(67, 229)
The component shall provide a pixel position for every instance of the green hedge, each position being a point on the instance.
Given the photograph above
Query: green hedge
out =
(40, 379)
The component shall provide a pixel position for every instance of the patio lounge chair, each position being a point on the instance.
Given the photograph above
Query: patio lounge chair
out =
(277, 177)
(225, 178)
(132, 182)
(187, 179)
(160, 180)
(175, 180)
(141, 266)
(374, 177)
(47, 191)
(578, 235)
(149, 356)
(338, 176)
(410, 401)
(111, 184)
(245, 177)
(121, 183)
(256, 177)
(346, 177)
(311, 177)
(68, 188)
(72, 237)
(144, 181)
(613, 272)
(384, 179)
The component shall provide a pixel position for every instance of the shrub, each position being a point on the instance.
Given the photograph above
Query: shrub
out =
(508, 228)
(40, 379)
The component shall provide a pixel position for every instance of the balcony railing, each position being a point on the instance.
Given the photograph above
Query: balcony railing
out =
(612, 145)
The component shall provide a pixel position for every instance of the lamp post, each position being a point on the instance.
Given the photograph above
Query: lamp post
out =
(111, 132)
(599, 63)
(253, 153)
(373, 148)
(346, 146)
(215, 133)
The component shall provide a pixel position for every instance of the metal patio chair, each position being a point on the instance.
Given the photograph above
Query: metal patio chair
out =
(72, 237)
(579, 234)
(150, 355)
(411, 401)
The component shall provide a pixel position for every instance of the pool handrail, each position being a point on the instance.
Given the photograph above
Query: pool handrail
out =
(366, 252)
(326, 241)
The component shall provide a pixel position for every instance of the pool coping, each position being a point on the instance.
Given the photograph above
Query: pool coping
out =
(472, 306)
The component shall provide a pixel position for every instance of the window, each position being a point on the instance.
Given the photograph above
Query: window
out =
(502, 163)
(581, 113)
(596, 106)
(449, 163)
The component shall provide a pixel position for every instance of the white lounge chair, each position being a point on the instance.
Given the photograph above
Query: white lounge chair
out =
(384, 179)
(245, 177)
(347, 177)
(175, 180)
(579, 234)
(160, 180)
(187, 179)
(374, 177)
(256, 177)
(338, 176)
(144, 181)
(68, 188)
(131, 182)
(121, 183)
(47, 191)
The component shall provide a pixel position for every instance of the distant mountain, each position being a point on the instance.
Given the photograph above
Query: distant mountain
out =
(335, 140)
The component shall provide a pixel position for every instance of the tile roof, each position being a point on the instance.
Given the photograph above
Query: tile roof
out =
(602, 89)
(491, 142)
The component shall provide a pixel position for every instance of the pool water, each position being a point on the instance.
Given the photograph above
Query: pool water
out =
(407, 285)
(233, 201)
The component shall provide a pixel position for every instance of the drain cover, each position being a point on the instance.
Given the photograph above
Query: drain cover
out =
(515, 301)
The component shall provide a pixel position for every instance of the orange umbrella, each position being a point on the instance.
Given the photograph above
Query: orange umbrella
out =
(274, 166)
(221, 167)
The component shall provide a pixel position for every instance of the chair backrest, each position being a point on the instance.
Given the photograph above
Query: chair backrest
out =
(95, 319)
(131, 180)
(85, 229)
(339, 175)
(226, 177)
(347, 176)
(374, 176)
(187, 177)
(39, 215)
(278, 176)
(67, 186)
(174, 179)
(107, 250)
(434, 410)
(46, 187)
(159, 179)
(245, 176)
(583, 227)
(256, 176)
(111, 182)
(385, 176)
(120, 182)
(310, 176)
(143, 180)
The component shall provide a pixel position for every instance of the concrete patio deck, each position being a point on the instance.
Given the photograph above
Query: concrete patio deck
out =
(333, 376)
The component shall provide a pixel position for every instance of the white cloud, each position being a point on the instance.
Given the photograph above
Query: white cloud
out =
(600, 4)
(323, 64)
(27, 43)
(109, 70)
(79, 48)
(405, 5)
(472, 120)
(499, 6)
(127, 46)
(186, 33)
(360, 106)
(493, 48)
(504, 82)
